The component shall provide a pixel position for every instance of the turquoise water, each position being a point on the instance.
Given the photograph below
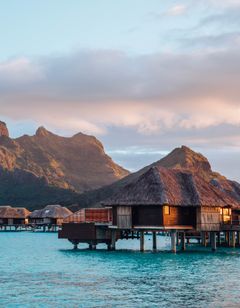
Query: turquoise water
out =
(38, 270)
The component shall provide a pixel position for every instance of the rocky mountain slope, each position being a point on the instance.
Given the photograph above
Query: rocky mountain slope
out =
(61, 166)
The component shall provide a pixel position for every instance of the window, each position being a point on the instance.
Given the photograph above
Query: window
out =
(227, 211)
(166, 210)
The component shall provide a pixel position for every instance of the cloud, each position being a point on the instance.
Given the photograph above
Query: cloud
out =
(176, 10)
(19, 70)
(180, 98)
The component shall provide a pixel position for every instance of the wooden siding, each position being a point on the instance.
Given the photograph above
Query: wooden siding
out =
(208, 219)
(124, 217)
(147, 216)
(85, 232)
(236, 217)
(78, 231)
(180, 216)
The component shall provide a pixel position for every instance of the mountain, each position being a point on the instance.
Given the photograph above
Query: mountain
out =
(181, 159)
(38, 169)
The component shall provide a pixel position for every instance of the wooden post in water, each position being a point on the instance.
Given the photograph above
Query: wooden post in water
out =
(204, 239)
(154, 239)
(218, 239)
(233, 239)
(228, 238)
(141, 241)
(183, 241)
(113, 240)
(174, 241)
(75, 245)
(213, 241)
(238, 238)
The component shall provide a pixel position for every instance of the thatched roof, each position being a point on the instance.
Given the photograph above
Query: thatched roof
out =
(7, 211)
(159, 186)
(51, 211)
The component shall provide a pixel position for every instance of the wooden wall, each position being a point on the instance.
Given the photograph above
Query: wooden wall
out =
(180, 216)
(150, 215)
(78, 231)
(124, 217)
(208, 219)
(147, 216)
(236, 217)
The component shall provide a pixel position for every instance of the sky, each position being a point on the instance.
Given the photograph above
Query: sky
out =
(143, 76)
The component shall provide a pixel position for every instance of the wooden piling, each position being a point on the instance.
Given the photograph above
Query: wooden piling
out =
(233, 239)
(218, 239)
(141, 241)
(174, 241)
(75, 245)
(113, 240)
(213, 241)
(154, 240)
(238, 238)
(204, 239)
(228, 239)
(183, 241)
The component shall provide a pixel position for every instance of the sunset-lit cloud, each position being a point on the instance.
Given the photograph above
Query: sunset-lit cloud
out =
(92, 91)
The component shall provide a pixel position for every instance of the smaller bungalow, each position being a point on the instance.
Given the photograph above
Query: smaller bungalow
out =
(53, 214)
(13, 216)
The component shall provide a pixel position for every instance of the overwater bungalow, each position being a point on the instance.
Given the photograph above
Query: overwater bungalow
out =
(50, 215)
(171, 201)
(13, 216)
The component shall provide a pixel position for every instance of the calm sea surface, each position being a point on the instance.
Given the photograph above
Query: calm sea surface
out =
(38, 270)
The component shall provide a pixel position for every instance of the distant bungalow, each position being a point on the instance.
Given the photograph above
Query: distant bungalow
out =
(13, 215)
(50, 215)
(165, 200)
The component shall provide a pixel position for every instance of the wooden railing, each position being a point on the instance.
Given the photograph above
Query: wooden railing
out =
(233, 225)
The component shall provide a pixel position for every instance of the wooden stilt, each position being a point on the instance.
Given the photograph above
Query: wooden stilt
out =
(204, 239)
(213, 241)
(238, 238)
(229, 238)
(113, 240)
(75, 245)
(154, 238)
(233, 240)
(141, 241)
(218, 239)
(183, 241)
(178, 239)
(174, 241)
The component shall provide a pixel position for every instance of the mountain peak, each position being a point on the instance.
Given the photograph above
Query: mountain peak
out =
(42, 132)
(186, 158)
(3, 129)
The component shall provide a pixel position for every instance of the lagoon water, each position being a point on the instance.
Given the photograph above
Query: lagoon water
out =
(38, 270)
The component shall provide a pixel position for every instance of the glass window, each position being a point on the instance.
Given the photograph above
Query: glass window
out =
(166, 210)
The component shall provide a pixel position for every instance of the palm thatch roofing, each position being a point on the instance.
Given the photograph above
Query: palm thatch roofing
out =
(159, 186)
(54, 211)
(6, 211)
